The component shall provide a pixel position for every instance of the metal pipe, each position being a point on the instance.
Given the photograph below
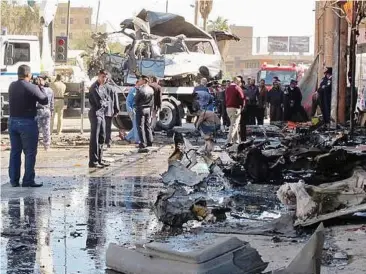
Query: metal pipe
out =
(335, 79)
(166, 6)
(68, 20)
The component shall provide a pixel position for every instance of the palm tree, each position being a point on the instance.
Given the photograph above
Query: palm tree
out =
(219, 24)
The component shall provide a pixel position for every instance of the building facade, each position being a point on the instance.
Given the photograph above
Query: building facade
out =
(80, 22)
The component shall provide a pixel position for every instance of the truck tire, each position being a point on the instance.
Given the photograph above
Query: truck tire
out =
(122, 122)
(167, 116)
(4, 125)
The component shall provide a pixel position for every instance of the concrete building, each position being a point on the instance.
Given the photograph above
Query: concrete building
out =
(239, 51)
(80, 22)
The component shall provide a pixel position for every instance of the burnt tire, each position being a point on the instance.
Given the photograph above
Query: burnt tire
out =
(167, 116)
(122, 122)
(256, 165)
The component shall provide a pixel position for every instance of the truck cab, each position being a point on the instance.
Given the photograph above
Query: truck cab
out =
(16, 50)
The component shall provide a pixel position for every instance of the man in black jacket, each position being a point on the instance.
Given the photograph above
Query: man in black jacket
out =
(325, 95)
(98, 98)
(23, 128)
(292, 98)
(111, 110)
(144, 101)
(275, 100)
(157, 101)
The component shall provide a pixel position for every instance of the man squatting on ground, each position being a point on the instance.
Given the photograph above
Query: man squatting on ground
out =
(98, 99)
(23, 128)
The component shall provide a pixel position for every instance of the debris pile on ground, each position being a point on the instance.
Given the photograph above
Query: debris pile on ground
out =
(319, 203)
(273, 156)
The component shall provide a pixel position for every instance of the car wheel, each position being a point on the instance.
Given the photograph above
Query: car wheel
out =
(167, 116)
(122, 122)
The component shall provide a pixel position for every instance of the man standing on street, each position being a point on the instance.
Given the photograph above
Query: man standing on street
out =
(157, 101)
(252, 100)
(98, 99)
(262, 104)
(111, 110)
(234, 98)
(325, 95)
(59, 90)
(144, 100)
(275, 100)
(23, 128)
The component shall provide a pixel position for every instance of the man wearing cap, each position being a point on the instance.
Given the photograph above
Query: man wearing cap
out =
(59, 89)
(275, 101)
(144, 101)
(292, 98)
(325, 95)
(98, 99)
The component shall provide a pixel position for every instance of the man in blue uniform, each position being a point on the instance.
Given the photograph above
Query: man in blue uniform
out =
(325, 95)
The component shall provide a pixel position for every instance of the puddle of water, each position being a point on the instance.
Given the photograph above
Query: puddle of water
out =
(68, 229)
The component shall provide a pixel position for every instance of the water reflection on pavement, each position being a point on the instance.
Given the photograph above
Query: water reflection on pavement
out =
(67, 226)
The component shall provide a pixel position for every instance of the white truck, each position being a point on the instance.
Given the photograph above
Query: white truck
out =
(16, 50)
(166, 46)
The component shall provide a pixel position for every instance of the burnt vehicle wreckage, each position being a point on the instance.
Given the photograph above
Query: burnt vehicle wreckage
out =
(166, 46)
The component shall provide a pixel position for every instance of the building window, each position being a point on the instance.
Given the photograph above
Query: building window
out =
(21, 53)
(87, 21)
(63, 20)
(70, 35)
(71, 20)
(35, 33)
(63, 34)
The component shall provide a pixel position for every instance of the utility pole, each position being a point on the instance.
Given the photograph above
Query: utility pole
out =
(68, 20)
(196, 9)
(97, 21)
(352, 65)
(166, 6)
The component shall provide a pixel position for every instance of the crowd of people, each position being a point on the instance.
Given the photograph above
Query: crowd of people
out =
(143, 104)
(233, 104)
(32, 105)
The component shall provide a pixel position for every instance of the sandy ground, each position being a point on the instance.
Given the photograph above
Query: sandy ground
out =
(113, 205)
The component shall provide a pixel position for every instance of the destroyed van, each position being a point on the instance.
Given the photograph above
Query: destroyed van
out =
(166, 46)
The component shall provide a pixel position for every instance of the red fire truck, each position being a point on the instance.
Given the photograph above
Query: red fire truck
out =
(284, 73)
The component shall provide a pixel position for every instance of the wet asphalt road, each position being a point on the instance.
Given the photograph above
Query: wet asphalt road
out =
(66, 226)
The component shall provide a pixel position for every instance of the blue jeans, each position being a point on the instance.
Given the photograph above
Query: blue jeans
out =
(23, 134)
(133, 134)
(209, 129)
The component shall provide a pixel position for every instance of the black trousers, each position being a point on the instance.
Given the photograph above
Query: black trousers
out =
(143, 122)
(275, 113)
(325, 104)
(108, 130)
(243, 126)
(260, 115)
(251, 113)
(97, 138)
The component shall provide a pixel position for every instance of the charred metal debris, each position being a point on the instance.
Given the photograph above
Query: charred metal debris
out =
(317, 174)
